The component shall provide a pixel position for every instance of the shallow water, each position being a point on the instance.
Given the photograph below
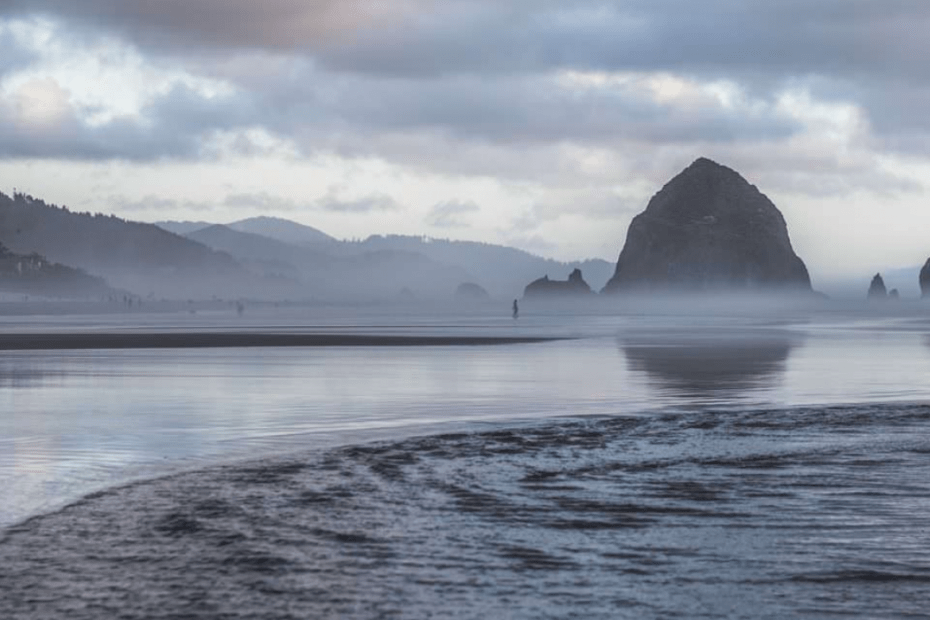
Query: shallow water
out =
(738, 467)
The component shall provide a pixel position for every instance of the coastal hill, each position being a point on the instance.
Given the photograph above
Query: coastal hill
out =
(708, 229)
(141, 258)
(34, 274)
(288, 261)
(502, 271)
(358, 276)
(276, 228)
(282, 230)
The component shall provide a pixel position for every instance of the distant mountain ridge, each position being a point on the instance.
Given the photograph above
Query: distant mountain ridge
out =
(142, 258)
(182, 228)
(356, 276)
(503, 271)
(282, 230)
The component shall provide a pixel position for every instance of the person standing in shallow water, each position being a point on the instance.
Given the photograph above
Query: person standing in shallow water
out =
(516, 309)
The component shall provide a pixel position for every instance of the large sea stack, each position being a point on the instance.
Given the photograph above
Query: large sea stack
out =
(708, 229)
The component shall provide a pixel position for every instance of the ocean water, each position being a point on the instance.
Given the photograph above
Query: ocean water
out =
(644, 466)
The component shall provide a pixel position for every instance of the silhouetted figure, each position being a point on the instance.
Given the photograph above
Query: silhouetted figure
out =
(240, 308)
(516, 309)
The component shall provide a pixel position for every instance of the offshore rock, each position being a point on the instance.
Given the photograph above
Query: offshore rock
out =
(575, 285)
(877, 288)
(469, 291)
(925, 280)
(708, 229)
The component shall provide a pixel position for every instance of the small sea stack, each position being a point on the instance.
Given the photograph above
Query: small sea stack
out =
(544, 287)
(877, 288)
(469, 291)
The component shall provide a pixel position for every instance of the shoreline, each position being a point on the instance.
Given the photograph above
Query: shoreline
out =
(222, 340)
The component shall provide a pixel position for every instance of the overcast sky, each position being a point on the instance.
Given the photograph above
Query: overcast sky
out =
(541, 124)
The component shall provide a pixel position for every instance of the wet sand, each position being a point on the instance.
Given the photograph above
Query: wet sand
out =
(200, 340)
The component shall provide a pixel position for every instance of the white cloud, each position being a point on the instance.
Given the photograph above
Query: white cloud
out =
(559, 120)
(451, 214)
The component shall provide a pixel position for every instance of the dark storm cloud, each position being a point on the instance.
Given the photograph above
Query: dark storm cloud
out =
(415, 37)
(270, 24)
(332, 72)
(319, 109)
(173, 125)
(534, 109)
(69, 138)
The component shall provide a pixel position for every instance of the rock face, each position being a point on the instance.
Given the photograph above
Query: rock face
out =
(708, 229)
(925, 280)
(575, 285)
(877, 288)
(469, 291)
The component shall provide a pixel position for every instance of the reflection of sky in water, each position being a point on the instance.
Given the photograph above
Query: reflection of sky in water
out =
(77, 421)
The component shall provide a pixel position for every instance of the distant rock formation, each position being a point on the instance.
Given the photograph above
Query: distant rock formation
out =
(708, 229)
(877, 288)
(925, 280)
(469, 291)
(405, 294)
(575, 285)
(893, 294)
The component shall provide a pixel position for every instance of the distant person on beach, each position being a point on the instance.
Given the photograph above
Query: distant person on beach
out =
(516, 309)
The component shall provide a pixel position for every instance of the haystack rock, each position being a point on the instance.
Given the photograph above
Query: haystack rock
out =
(709, 229)
(877, 288)
(925, 280)
(575, 285)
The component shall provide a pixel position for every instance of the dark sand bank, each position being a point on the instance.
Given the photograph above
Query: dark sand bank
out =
(193, 340)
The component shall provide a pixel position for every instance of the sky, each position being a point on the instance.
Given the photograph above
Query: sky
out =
(540, 124)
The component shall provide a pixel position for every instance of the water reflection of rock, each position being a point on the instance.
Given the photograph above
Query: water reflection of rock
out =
(710, 364)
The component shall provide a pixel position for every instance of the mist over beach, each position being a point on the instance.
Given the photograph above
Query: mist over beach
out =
(464, 309)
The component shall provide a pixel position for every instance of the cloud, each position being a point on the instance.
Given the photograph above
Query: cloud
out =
(505, 89)
(451, 214)
(15, 56)
(261, 202)
(274, 24)
(332, 201)
(433, 37)
(39, 120)
(153, 203)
